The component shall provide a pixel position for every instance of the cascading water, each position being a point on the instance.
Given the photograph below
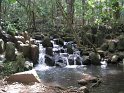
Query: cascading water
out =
(69, 73)
(61, 59)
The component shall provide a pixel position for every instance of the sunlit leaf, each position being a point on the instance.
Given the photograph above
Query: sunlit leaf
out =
(12, 1)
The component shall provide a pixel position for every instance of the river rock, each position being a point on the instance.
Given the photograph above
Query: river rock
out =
(28, 65)
(78, 60)
(32, 41)
(95, 58)
(69, 49)
(34, 54)
(59, 42)
(1, 46)
(20, 38)
(120, 44)
(24, 77)
(114, 59)
(82, 82)
(84, 89)
(25, 48)
(10, 51)
(112, 46)
(89, 78)
(49, 60)
(49, 51)
(86, 60)
(47, 42)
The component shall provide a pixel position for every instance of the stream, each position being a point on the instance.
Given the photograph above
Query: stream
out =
(67, 76)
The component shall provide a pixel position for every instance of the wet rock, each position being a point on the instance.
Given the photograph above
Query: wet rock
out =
(86, 60)
(59, 41)
(49, 51)
(120, 44)
(71, 60)
(114, 59)
(84, 89)
(112, 46)
(1, 46)
(6, 37)
(82, 82)
(49, 60)
(25, 49)
(60, 63)
(34, 54)
(78, 61)
(10, 51)
(69, 49)
(95, 58)
(32, 41)
(24, 77)
(120, 55)
(28, 65)
(104, 46)
(39, 36)
(90, 78)
(47, 43)
(102, 53)
(20, 38)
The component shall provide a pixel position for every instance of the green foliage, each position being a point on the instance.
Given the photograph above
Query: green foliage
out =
(12, 1)
(13, 66)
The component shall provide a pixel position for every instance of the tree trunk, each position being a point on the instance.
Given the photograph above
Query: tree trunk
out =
(0, 11)
(70, 14)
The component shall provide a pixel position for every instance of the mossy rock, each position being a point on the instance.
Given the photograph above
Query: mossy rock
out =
(10, 51)
(95, 58)
(1, 46)
(47, 42)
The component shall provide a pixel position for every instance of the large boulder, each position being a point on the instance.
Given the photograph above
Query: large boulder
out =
(1, 46)
(25, 49)
(49, 60)
(95, 58)
(34, 54)
(49, 51)
(47, 42)
(24, 77)
(86, 60)
(10, 51)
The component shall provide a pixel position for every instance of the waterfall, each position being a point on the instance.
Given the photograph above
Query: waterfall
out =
(61, 59)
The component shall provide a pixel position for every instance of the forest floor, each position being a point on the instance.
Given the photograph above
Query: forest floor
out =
(33, 88)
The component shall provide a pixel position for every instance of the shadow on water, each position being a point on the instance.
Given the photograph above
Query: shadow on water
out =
(112, 75)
